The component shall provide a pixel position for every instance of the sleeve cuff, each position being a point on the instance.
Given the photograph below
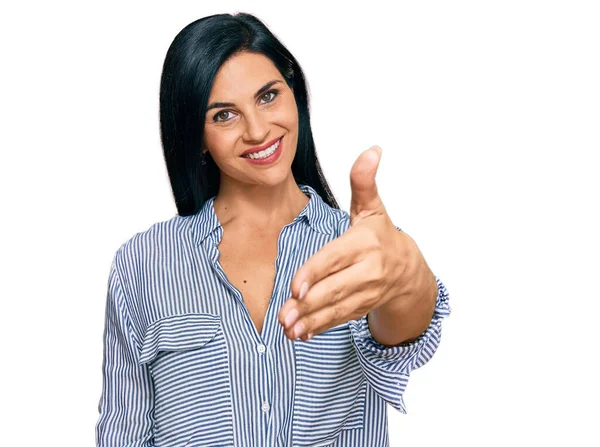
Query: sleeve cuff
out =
(388, 367)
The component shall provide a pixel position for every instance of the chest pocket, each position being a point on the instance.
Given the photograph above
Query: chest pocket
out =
(330, 388)
(188, 361)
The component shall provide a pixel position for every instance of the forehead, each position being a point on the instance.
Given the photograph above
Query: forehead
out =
(242, 75)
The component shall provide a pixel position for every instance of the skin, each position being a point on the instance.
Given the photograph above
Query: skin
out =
(372, 269)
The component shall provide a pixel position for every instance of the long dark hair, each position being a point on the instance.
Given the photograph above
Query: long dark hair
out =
(189, 70)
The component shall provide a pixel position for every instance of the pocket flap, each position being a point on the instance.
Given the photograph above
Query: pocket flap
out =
(177, 333)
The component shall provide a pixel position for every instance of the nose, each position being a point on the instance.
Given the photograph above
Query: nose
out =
(257, 127)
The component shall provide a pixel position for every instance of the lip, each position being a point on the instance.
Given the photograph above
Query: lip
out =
(271, 159)
(260, 148)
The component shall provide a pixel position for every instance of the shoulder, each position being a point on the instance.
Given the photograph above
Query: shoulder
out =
(341, 221)
(160, 239)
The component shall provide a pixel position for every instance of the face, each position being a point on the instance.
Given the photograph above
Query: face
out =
(255, 116)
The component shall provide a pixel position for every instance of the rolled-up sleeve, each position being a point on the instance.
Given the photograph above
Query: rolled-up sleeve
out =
(387, 369)
(127, 402)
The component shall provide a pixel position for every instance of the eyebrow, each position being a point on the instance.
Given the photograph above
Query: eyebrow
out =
(260, 91)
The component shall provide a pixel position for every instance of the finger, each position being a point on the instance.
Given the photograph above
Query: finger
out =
(326, 292)
(334, 288)
(330, 297)
(352, 307)
(332, 257)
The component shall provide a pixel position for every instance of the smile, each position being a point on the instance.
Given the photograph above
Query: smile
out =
(267, 155)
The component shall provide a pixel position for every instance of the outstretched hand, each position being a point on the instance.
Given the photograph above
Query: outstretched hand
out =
(356, 272)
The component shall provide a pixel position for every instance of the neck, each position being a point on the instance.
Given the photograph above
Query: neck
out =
(259, 208)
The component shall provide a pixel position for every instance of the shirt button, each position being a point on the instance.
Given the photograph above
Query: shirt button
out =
(265, 407)
(261, 348)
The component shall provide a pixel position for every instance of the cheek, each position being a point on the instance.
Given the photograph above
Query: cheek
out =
(289, 117)
(217, 142)
(211, 138)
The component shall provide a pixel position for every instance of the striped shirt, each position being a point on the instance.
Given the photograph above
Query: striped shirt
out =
(184, 365)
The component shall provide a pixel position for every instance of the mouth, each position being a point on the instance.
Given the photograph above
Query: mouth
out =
(267, 156)
(264, 151)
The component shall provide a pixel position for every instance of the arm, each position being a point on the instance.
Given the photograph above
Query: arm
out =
(387, 368)
(127, 402)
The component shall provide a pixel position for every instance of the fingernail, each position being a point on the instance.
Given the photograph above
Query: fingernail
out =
(298, 329)
(303, 289)
(291, 317)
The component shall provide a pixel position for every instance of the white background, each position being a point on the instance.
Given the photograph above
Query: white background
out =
(488, 115)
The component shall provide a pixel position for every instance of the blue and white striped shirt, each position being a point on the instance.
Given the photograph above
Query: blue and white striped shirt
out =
(184, 365)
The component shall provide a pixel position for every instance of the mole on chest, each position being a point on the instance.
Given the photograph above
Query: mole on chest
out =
(250, 267)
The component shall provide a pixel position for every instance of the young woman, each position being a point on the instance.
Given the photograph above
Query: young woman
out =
(262, 314)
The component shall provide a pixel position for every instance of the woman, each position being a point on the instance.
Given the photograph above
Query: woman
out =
(203, 345)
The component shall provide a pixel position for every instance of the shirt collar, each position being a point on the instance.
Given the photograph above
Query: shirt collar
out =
(317, 213)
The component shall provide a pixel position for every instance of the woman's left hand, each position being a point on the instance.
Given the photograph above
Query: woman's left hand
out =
(357, 272)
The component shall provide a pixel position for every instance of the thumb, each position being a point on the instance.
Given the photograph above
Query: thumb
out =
(362, 182)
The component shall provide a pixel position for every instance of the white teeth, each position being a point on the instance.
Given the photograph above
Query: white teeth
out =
(264, 153)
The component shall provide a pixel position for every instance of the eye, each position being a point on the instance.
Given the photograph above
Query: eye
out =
(275, 93)
(223, 113)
